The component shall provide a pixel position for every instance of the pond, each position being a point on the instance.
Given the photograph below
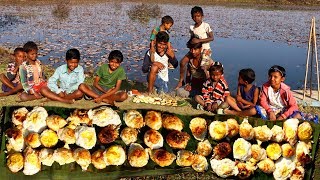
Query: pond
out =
(243, 37)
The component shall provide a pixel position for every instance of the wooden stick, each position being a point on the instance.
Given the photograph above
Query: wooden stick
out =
(307, 62)
(316, 53)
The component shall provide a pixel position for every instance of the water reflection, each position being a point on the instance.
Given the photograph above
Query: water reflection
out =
(144, 12)
(62, 10)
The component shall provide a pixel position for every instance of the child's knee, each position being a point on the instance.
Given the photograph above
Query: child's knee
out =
(124, 96)
(154, 69)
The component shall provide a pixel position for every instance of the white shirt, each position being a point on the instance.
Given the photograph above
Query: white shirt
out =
(276, 102)
(163, 74)
(202, 32)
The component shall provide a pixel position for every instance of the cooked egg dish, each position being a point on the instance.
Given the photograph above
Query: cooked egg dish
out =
(153, 120)
(204, 148)
(218, 130)
(224, 168)
(55, 122)
(161, 157)
(198, 127)
(133, 119)
(104, 116)
(15, 162)
(185, 158)
(86, 137)
(172, 122)
(241, 149)
(153, 139)
(36, 120)
(246, 130)
(137, 155)
(114, 155)
(82, 157)
(48, 138)
(129, 135)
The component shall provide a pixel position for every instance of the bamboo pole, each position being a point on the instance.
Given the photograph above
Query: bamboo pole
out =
(307, 61)
(316, 54)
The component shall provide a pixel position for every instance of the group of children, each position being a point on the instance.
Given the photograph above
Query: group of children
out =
(200, 77)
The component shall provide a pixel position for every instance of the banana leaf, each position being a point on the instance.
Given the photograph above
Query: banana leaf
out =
(73, 171)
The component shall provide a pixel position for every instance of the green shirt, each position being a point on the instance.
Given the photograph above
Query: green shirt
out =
(108, 79)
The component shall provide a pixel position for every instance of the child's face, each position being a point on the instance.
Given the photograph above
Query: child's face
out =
(195, 51)
(19, 57)
(72, 64)
(114, 64)
(215, 75)
(197, 17)
(167, 26)
(32, 55)
(275, 79)
(161, 47)
(241, 81)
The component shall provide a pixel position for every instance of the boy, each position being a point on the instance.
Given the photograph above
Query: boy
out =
(69, 76)
(201, 32)
(11, 83)
(166, 24)
(158, 70)
(107, 81)
(247, 94)
(276, 99)
(31, 75)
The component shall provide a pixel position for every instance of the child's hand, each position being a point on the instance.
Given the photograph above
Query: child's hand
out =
(272, 116)
(239, 98)
(280, 118)
(62, 94)
(178, 85)
(97, 100)
(195, 40)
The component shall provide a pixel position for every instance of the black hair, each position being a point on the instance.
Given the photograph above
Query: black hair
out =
(166, 19)
(116, 54)
(277, 68)
(217, 66)
(73, 54)
(196, 9)
(29, 46)
(247, 75)
(162, 36)
(18, 49)
(190, 44)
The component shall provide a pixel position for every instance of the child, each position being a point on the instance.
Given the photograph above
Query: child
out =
(166, 24)
(158, 70)
(247, 94)
(201, 32)
(276, 99)
(194, 77)
(31, 75)
(11, 83)
(69, 76)
(107, 81)
(215, 90)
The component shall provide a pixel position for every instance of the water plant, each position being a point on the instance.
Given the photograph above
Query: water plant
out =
(144, 12)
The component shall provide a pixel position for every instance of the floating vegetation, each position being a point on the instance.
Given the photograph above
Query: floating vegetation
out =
(62, 10)
(144, 12)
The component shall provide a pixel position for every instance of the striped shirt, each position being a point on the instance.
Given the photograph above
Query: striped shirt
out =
(212, 93)
(27, 75)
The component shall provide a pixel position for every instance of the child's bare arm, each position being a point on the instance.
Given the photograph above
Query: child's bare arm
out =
(205, 40)
(96, 84)
(184, 61)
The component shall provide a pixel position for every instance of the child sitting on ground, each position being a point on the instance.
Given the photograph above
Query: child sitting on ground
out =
(276, 99)
(107, 81)
(69, 76)
(158, 70)
(166, 24)
(31, 74)
(201, 32)
(215, 91)
(11, 82)
(247, 94)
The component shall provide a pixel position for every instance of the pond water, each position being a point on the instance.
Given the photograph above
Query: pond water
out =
(243, 37)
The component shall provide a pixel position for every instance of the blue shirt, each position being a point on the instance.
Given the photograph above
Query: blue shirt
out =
(68, 82)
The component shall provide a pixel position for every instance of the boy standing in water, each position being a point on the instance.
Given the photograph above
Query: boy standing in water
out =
(107, 81)
(11, 82)
(31, 74)
(202, 33)
(69, 76)
(158, 74)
